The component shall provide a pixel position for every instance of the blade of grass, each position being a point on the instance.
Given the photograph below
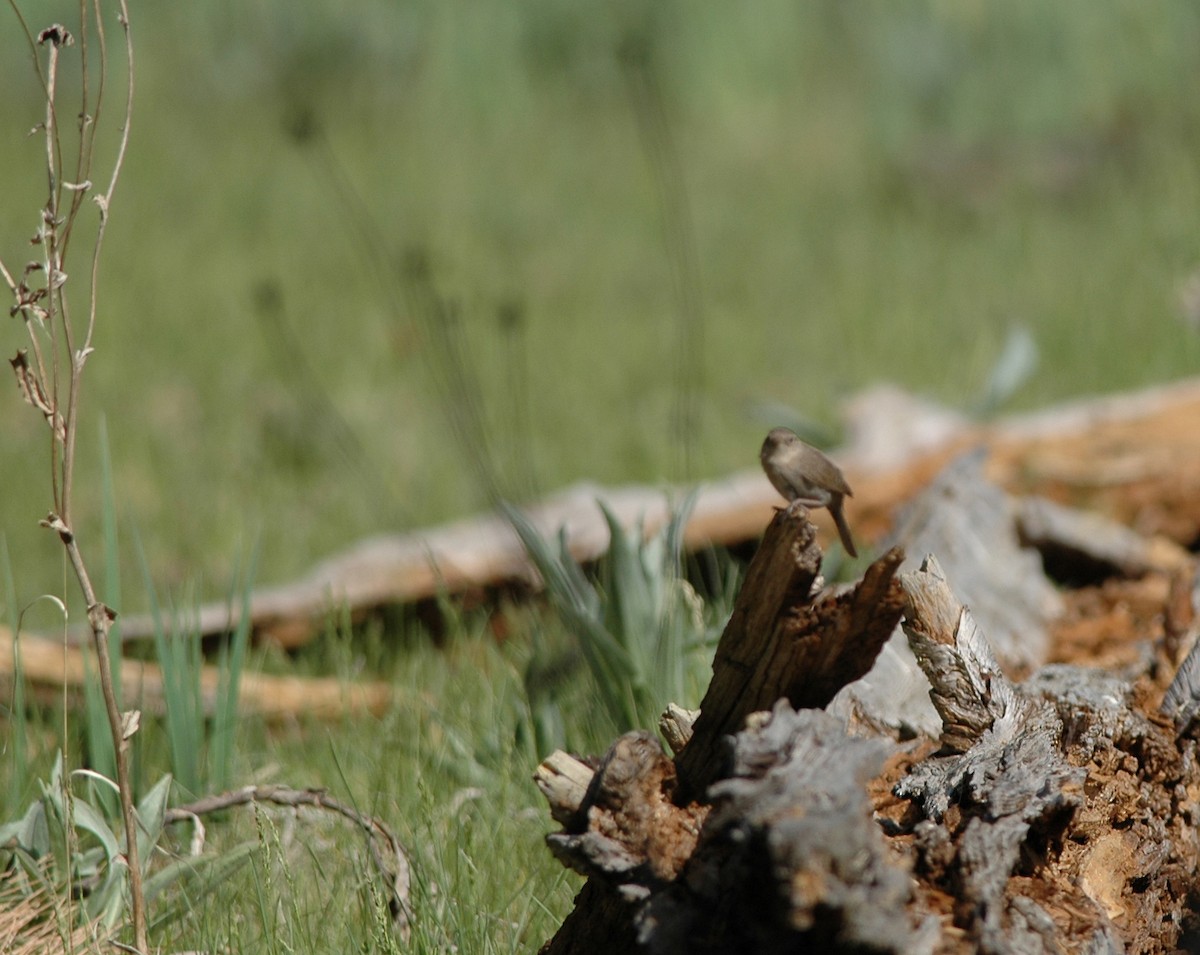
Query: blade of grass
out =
(179, 660)
(98, 736)
(18, 744)
(230, 662)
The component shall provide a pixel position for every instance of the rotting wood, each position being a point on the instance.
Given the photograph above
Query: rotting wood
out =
(623, 831)
(1058, 814)
(971, 524)
(627, 828)
(48, 666)
(1002, 763)
(1117, 625)
(789, 851)
(1062, 770)
(1134, 457)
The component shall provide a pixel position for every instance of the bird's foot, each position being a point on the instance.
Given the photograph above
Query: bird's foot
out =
(800, 504)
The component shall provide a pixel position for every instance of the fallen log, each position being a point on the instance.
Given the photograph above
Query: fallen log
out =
(1057, 814)
(51, 668)
(1134, 458)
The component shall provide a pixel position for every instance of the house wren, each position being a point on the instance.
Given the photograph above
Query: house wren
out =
(802, 473)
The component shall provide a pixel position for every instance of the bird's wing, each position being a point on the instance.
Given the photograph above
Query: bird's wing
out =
(827, 474)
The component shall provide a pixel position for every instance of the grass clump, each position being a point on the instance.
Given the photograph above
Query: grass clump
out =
(643, 634)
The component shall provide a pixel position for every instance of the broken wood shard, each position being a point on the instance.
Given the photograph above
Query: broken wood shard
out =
(968, 688)
(781, 642)
(676, 724)
(564, 781)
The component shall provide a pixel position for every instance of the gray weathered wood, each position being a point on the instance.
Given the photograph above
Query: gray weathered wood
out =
(675, 725)
(971, 525)
(1100, 545)
(1059, 814)
(967, 687)
(789, 851)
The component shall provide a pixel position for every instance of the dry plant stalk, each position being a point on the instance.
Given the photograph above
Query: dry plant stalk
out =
(50, 372)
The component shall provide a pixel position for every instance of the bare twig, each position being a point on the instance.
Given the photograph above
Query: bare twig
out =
(105, 200)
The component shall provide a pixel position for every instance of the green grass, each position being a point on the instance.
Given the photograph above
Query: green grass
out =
(444, 769)
(878, 191)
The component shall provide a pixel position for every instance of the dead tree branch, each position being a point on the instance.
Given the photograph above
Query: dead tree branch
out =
(391, 861)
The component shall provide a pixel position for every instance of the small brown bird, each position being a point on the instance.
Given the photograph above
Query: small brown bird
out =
(802, 473)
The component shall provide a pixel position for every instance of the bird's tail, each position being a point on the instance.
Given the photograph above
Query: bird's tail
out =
(843, 529)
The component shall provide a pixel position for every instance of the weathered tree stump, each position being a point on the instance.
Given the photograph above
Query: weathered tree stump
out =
(783, 641)
(1058, 814)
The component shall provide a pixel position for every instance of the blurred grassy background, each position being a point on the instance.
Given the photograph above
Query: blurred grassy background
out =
(345, 241)
(874, 191)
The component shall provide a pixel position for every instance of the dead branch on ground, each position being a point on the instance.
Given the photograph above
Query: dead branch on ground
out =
(387, 853)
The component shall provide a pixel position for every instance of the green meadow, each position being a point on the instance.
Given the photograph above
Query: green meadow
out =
(367, 270)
